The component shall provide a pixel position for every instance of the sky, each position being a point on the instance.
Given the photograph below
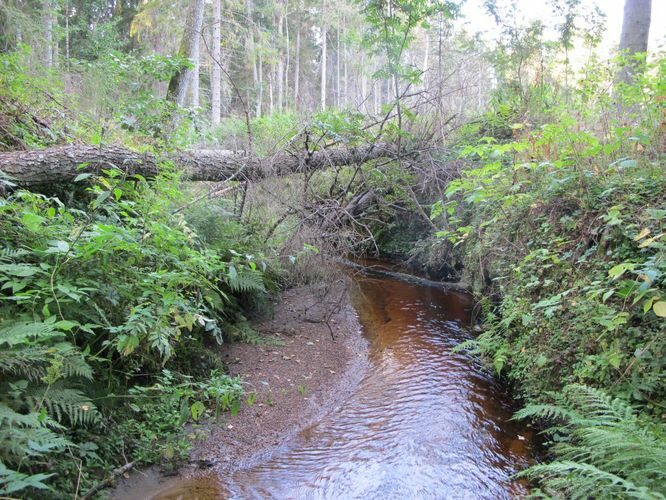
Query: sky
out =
(476, 20)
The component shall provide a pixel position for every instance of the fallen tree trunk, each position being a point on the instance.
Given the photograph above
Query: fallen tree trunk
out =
(380, 272)
(63, 164)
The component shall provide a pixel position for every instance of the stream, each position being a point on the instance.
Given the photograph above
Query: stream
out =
(424, 422)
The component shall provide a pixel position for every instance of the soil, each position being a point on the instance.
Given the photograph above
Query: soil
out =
(310, 358)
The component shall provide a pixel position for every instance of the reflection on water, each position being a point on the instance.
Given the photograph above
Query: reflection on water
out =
(423, 423)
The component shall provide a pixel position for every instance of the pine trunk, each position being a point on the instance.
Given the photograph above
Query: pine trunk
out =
(216, 79)
(189, 47)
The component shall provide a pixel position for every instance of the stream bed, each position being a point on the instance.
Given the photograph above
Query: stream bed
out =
(424, 422)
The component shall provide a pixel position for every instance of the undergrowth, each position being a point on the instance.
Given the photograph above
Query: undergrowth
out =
(561, 229)
(112, 290)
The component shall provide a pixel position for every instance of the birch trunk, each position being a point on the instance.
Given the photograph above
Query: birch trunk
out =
(338, 89)
(426, 56)
(196, 77)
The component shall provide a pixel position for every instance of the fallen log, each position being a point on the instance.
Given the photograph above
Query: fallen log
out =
(380, 272)
(64, 163)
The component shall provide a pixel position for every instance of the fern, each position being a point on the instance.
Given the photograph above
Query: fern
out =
(11, 418)
(17, 333)
(32, 442)
(603, 449)
(582, 480)
(28, 362)
(12, 481)
(246, 280)
(63, 404)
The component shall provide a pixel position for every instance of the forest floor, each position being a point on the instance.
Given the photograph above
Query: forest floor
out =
(299, 372)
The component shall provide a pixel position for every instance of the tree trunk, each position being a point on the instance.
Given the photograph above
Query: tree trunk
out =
(260, 93)
(64, 163)
(297, 68)
(279, 77)
(196, 77)
(635, 32)
(345, 76)
(271, 77)
(189, 46)
(381, 272)
(216, 80)
(322, 98)
(426, 55)
(48, 33)
(338, 85)
(256, 65)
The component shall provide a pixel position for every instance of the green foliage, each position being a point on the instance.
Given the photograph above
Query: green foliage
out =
(269, 133)
(391, 28)
(561, 226)
(97, 295)
(602, 448)
(569, 227)
(160, 410)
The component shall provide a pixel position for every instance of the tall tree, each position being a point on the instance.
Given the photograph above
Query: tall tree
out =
(49, 21)
(189, 48)
(635, 32)
(323, 63)
(216, 82)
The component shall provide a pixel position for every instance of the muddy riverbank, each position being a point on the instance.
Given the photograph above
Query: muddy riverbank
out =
(311, 356)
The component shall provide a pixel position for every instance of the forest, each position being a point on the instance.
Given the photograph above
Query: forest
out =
(170, 168)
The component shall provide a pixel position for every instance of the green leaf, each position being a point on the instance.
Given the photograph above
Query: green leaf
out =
(197, 410)
(81, 177)
(659, 308)
(32, 221)
(66, 325)
(20, 270)
(618, 270)
(57, 246)
(233, 274)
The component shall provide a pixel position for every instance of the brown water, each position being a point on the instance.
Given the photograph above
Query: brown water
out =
(423, 423)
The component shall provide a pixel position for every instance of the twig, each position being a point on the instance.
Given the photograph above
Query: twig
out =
(100, 486)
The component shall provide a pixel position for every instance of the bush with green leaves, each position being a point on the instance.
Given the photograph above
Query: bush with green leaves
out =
(566, 226)
(98, 297)
(561, 230)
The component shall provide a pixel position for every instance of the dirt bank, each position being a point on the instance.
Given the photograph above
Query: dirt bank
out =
(311, 357)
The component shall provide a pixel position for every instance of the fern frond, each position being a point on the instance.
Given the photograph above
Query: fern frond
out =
(18, 442)
(73, 362)
(246, 281)
(12, 254)
(581, 480)
(548, 412)
(63, 403)
(23, 332)
(12, 481)
(11, 418)
(607, 452)
(26, 362)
